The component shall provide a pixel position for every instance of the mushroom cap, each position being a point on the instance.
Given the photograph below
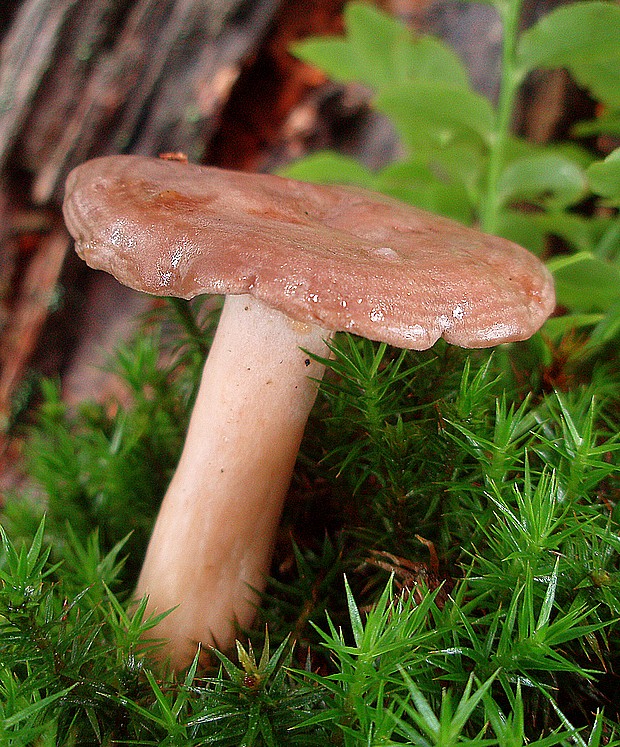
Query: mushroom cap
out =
(340, 257)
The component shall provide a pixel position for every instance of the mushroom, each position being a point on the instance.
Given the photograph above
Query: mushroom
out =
(296, 262)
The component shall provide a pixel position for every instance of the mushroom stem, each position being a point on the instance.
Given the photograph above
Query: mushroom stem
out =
(212, 543)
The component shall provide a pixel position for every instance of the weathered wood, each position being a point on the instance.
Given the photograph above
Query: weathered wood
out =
(114, 76)
(147, 92)
(27, 52)
(36, 293)
(186, 106)
(84, 39)
(79, 78)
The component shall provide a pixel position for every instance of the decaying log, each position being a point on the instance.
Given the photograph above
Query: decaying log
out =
(143, 90)
(85, 38)
(83, 78)
(27, 53)
(36, 294)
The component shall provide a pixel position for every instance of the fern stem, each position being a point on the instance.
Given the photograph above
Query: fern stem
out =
(510, 13)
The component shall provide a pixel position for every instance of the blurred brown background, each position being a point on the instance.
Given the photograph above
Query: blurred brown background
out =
(210, 78)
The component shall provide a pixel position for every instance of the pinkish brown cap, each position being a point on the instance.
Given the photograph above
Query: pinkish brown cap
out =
(339, 257)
